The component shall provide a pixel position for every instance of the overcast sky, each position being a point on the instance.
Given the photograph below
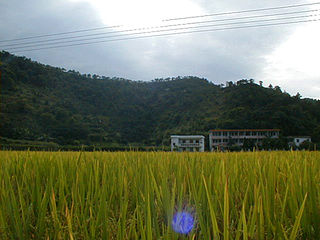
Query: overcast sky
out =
(285, 55)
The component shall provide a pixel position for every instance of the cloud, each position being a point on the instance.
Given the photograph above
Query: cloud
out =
(218, 56)
(294, 63)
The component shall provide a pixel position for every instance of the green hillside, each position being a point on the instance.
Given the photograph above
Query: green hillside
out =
(42, 104)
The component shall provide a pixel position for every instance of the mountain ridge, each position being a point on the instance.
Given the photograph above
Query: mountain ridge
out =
(44, 103)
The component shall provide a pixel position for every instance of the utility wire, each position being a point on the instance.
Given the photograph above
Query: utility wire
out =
(243, 11)
(172, 19)
(155, 27)
(170, 34)
(157, 31)
(62, 33)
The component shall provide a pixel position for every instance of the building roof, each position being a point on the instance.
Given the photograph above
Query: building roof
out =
(298, 137)
(187, 136)
(244, 130)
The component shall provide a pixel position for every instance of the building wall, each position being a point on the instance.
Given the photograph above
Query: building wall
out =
(174, 143)
(298, 140)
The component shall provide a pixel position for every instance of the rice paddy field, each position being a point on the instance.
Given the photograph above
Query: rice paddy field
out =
(143, 195)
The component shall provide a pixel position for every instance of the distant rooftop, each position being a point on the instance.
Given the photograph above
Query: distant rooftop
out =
(299, 137)
(187, 136)
(243, 130)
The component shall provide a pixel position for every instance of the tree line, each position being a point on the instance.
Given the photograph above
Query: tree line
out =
(45, 104)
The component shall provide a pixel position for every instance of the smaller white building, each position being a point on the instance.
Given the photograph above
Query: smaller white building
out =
(189, 143)
(297, 140)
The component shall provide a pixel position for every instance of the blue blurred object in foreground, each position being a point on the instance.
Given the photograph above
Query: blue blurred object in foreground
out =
(182, 222)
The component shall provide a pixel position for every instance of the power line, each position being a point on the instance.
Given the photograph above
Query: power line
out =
(157, 31)
(155, 27)
(243, 11)
(62, 33)
(170, 34)
(172, 19)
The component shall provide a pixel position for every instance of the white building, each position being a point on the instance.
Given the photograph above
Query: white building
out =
(236, 137)
(191, 143)
(297, 140)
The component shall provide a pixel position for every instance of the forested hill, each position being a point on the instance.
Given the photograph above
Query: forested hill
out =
(47, 104)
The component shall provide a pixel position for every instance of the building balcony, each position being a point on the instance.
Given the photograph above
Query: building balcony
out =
(189, 145)
(244, 137)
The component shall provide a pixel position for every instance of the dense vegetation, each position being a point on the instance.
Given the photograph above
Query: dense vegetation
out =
(53, 107)
(132, 195)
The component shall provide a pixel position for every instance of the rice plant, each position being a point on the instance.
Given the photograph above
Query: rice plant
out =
(150, 195)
